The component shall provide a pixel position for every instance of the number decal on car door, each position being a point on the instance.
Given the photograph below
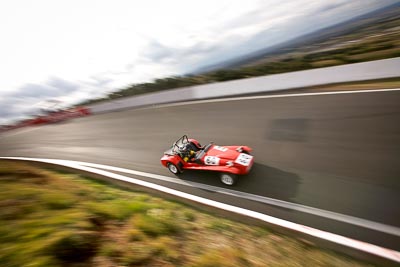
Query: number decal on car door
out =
(244, 159)
(210, 160)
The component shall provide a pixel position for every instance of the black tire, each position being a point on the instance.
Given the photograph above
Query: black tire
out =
(173, 168)
(228, 178)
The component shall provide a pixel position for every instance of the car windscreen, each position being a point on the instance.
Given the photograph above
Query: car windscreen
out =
(208, 147)
(181, 142)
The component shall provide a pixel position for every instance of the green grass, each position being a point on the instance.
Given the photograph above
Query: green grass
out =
(156, 225)
(60, 219)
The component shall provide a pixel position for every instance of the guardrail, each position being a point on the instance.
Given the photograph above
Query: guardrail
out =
(53, 117)
(387, 68)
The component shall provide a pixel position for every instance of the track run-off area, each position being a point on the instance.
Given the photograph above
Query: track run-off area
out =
(326, 161)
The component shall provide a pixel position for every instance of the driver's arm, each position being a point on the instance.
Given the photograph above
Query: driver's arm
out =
(189, 155)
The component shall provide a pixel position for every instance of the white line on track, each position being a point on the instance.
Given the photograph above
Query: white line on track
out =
(380, 227)
(270, 96)
(345, 241)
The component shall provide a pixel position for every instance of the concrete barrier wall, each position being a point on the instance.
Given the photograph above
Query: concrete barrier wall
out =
(379, 69)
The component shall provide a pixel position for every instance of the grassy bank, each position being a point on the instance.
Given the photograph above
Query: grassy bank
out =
(57, 219)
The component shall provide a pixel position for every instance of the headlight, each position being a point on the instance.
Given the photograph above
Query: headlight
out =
(229, 163)
(239, 149)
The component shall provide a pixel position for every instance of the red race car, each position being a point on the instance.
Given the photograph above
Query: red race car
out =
(188, 154)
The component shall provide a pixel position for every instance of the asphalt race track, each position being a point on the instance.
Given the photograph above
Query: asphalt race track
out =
(335, 152)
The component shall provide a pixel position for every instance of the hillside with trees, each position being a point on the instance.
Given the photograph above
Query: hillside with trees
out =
(369, 37)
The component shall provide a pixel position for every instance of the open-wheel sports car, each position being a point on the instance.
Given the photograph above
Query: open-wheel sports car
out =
(188, 154)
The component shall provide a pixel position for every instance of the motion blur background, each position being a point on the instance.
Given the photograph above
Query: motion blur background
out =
(72, 52)
(112, 82)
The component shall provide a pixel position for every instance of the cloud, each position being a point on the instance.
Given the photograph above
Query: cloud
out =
(32, 90)
(62, 85)
(7, 109)
(330, 7)
(15, 109)
(99, 80)
(174, 61)
(53, 87)
(157, 52)
(28, 99)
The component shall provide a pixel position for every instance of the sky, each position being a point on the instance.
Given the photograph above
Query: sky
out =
(74, 50)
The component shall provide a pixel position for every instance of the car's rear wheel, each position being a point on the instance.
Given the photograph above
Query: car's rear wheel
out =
(228, 178)
(173, 168)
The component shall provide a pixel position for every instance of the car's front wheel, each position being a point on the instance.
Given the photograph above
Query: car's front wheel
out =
(228, 178)
(173, 168)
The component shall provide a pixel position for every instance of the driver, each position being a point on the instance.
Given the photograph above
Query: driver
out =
(187, 153)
